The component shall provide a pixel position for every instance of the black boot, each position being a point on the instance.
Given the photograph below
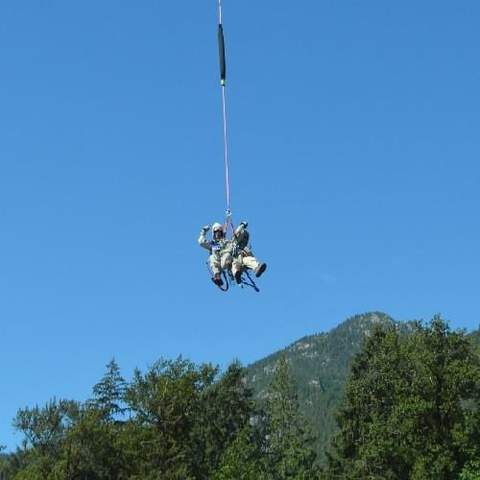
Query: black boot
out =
(238, 276)
(217, 280)
(260, 269)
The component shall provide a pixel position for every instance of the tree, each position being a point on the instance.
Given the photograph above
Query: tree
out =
(471, 471)
(166, 404)
(182, 417)
(409, 407)
(276, 443)
(44, 430)
(290, 440)
(91, 449)
(4, 466)
(226, 407)
(44, 427)
(108, 393)
(245, 458)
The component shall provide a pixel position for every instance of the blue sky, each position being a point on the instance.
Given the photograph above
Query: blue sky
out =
(355, 158)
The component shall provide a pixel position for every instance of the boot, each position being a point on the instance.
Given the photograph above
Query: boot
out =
(260, 269)
(238, 276)
(217, 280)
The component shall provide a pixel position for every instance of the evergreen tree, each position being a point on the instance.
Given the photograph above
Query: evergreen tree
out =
(91, 449)
(365, 446)
(245, 458)
(276, 444)
(165, 405)
(4, 466)
(409, 407)
(290, 453)
(44, 430)
(471, 471)
(108, 393)
(226, 407)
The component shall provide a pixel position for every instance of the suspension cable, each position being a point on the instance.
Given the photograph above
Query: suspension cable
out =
(223, 78)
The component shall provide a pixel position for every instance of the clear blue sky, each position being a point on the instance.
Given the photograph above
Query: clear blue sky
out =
(355, 157)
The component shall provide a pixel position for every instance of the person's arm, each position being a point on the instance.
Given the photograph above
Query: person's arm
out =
(202, 239)
(241, 229)
(241, 235)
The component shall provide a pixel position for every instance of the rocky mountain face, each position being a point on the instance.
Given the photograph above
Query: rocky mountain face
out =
(320, 366)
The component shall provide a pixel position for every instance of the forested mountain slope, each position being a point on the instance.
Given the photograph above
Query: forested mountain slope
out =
(320, 365)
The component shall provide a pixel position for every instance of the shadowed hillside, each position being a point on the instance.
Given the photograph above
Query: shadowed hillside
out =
(320, 365)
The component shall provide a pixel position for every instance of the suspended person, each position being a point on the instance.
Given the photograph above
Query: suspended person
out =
(243, 257)
(220, 249)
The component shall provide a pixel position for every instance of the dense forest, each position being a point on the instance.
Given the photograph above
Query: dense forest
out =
(408, 409)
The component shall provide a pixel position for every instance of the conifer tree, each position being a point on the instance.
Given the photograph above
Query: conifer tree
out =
(471, 471)
(245, 458)
(276, 444)
(165, 406)
(108, 393)
(226, 407)
(290, 440)
(44, 429)
(409, 407)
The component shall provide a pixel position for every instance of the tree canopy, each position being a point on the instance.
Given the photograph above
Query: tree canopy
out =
(411, 411)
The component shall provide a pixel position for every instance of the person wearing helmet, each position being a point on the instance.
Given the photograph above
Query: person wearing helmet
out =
(243, 257)
(220, 250)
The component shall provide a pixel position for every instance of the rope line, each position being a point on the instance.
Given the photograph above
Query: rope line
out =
(225, 146)
(221, 45)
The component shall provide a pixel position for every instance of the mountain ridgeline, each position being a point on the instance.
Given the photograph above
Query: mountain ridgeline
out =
(320, 366)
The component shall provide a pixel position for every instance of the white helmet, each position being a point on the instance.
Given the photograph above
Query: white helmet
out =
(216, 227)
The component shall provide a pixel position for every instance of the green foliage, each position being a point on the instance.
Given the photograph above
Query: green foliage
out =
(181, 418)
(4, 464)
(410, 408)
(319, 366)
(166, 403)
(290, 439)
(44, 427)
(108, 394)
(475, 339)
(245, 458)
(91, 449)
(276, 443)
(226, 407)
(44, 430)
(471, 471)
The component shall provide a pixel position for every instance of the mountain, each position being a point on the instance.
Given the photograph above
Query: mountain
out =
(320, 365)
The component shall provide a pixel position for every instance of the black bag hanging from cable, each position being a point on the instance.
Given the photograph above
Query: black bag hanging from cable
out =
(221, 51)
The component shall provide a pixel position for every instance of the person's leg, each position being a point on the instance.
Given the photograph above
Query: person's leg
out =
(226, 261)
(252, 263)
(237, 268)
(216, 269)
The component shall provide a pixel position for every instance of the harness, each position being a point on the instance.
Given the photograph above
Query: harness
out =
(228, 279)
(215, 247)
